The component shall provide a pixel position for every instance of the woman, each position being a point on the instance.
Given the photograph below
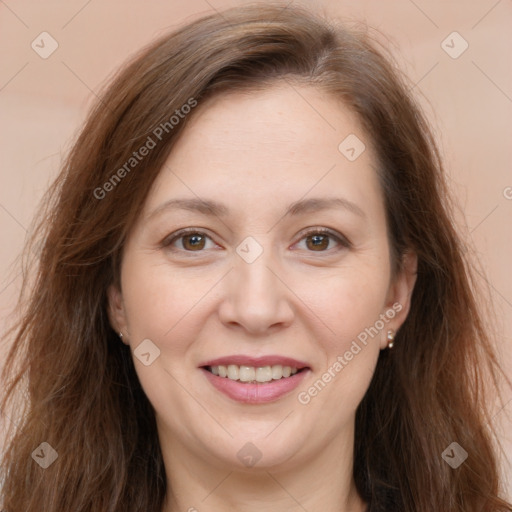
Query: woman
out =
(250, 292)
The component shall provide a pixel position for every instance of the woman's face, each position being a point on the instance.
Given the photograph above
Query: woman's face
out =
(284, 278)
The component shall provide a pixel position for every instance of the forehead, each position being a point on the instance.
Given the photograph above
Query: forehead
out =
(261, 148)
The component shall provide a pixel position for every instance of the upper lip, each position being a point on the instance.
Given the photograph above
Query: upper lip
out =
(242, 360)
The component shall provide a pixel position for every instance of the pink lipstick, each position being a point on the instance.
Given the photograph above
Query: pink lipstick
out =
(255, 380)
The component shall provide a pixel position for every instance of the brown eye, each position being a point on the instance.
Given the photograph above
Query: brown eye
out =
(193, 242)
(317, 242)
(187, 241)
(324, 240)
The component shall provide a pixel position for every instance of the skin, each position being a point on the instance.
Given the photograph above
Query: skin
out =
(258, 152)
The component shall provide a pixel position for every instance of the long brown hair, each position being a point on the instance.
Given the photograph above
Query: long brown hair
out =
(83, 397)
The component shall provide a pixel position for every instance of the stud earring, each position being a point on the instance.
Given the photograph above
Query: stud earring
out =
(391, 338)
(121, 336)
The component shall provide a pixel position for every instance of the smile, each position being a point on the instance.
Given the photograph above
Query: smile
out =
(255, 380)
(253, 374)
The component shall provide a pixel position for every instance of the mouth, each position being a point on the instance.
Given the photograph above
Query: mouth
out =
(254, 374)
(255, 380)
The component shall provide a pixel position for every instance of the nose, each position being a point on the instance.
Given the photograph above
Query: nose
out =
(255, 297)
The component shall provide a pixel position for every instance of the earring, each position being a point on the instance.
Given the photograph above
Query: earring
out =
(391, 338)
(121, 336)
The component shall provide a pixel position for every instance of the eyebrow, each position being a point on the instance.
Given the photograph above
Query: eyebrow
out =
(214, 208)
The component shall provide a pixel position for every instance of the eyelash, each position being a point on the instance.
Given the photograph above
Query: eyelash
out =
(168, 241)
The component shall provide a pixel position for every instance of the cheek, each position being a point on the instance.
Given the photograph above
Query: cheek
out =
(350, 306)
(158, 299)
(349, 302)
(334, 397)
(351, 309)
(160, 305)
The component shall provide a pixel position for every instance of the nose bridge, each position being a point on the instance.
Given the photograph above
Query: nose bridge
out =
(252, 261)
(256, 298)
(255, 278)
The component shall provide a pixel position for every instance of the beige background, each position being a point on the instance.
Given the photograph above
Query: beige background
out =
(468, 99)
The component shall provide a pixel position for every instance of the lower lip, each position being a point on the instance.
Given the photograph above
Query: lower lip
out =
(255, 393)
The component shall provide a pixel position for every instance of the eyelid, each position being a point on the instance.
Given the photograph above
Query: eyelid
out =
(341, 239)
(176, 235)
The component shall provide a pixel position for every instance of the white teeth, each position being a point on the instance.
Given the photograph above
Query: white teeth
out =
(264, 374)
(253, 374)
(277, 371)
(247, 373)
(233, 372)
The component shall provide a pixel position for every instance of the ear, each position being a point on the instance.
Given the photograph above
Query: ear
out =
(116, 312)
(398, 302)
